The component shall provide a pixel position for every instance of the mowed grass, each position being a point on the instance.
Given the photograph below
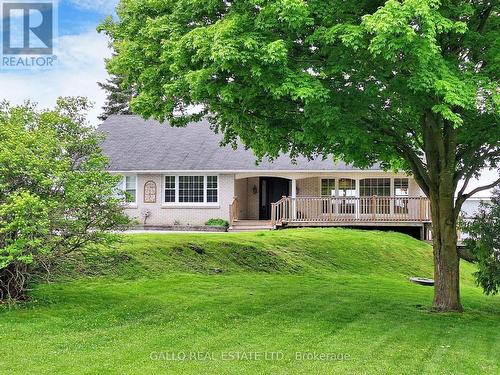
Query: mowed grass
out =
(138, 307)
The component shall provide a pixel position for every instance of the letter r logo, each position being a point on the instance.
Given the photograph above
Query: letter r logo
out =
(28, 28)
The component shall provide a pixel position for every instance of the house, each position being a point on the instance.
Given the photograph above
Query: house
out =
(184, 176)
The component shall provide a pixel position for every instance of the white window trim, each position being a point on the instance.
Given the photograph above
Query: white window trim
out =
(124, 189)
(178, 204)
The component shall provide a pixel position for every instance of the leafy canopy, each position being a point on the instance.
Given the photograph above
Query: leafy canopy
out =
(352, 79)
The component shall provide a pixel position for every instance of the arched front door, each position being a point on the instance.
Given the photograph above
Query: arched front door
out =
(272, 189)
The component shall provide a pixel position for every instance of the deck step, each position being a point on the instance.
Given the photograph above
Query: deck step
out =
(248, 229)
(250, 225)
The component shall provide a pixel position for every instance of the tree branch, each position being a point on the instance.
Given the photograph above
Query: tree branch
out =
(466, 254)
(482, 188)
(483, 18)
(462, 198)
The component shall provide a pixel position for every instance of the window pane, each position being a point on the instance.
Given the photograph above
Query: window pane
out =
(130, 189)
(347, 187)
(212, 189)
(328, 187)
(401, 187)
(130, 182)
(191, 189)
(169, 189)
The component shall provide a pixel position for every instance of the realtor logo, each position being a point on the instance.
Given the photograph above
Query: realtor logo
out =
(28, 28)
(28, 31)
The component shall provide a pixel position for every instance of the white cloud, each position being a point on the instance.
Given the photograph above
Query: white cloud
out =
(101, 6)
(80, 67)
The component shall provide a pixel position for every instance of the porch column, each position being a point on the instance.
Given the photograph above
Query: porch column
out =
(294, 201)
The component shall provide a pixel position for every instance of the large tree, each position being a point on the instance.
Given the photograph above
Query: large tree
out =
(411, 84)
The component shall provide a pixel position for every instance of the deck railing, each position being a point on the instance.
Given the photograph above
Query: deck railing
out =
(234, 210)
(350, 209)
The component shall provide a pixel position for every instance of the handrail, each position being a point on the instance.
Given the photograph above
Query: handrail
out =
(233, 211)
(280, 211)
(350, 209)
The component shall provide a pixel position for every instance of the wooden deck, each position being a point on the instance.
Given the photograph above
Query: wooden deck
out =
(365, 211)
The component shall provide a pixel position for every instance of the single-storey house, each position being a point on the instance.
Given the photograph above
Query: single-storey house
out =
(184, 176)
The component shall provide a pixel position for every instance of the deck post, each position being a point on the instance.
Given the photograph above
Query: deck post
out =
(273, 215)
(357, 204)
(294, 199)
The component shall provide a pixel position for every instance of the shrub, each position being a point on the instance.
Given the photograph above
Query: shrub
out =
(55, 195)
(217, 223)
(484, 243)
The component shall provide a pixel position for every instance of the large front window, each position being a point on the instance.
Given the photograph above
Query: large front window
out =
(191, 189)
(380, 187)
(377, 189)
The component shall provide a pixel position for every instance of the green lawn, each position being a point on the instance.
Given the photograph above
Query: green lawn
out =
(317, 291)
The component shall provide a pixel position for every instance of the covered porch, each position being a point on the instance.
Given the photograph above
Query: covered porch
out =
(328, 199)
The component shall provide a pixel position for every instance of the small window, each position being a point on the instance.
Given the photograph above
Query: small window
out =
(347, 187)
(401, 187)
(131, 189)
(169, 189)
(328, 187)
(191, 189)
(212, 189)
(401, 190)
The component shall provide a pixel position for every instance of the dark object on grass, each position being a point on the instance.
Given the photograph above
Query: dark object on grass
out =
(422, 281)
(197, 249)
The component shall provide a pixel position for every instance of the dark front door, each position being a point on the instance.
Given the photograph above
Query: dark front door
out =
(272, 189)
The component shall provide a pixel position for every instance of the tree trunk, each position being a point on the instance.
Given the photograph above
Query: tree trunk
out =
(446, 260)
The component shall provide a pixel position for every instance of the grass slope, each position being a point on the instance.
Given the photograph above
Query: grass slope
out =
(316, 290)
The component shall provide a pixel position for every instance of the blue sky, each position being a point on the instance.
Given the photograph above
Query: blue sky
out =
(81, 52)
(76, 16)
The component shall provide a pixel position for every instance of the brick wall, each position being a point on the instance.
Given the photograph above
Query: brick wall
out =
(168, 215)
(308, 187)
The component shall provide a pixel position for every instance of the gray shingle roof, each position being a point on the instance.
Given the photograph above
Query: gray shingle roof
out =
(135, 144)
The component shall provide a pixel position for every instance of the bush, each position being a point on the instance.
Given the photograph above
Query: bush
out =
(484, 243)
(55, 195)
(217, 223)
